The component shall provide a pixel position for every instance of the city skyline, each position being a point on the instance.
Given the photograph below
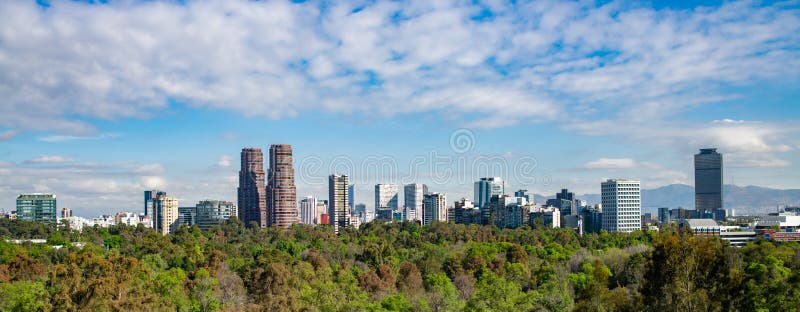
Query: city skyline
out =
(588, 91)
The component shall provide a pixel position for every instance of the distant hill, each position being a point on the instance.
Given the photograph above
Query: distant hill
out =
(744, 199)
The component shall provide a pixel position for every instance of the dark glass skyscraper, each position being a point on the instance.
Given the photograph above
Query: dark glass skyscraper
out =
(252, 191)
(281, 191)
(708, 180)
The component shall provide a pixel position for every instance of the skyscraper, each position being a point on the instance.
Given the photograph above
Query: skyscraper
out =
(212, 212)
(351, 197)
(308, 210)
(252, 191)
(434, 208)
(36, 207)
(165, 214)
(622, 205)
(386, 196)
(338, 211)
(148, 200)
(485, 188)
(708, 181)
(525, 194)
(281, 191)
(412, 197)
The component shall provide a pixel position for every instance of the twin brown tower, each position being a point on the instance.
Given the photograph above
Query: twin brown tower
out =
(273, 204)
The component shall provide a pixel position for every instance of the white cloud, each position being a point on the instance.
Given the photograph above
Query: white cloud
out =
(611, 163)
(65, 138)
(530, 61)
(150, 169)
(45, 159)
(224, 161)
(152, 182)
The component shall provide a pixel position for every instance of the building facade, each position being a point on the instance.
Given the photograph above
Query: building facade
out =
(251, 194)
(338, 211)
(622, 206)
(213, 212)
(434, 208)
(148, 200)
(308, 210)
(412, 197)
(386, 196)
(708, 180)
(37, 207)
(187, 216)
(165, 214)
(281, 191)
(485, 188)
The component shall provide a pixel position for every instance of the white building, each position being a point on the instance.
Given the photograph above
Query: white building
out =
(165, 214)
(308, 210)
(434, 208)
(412, 197)
(386, 196)
(622, 205)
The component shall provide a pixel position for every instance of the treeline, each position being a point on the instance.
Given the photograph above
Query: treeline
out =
(390, 267)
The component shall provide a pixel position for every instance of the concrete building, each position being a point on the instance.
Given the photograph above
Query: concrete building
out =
(281, 191)
(37, 207)
(708, 180)
(386, 196)
(664, 215)
(338, 211)
(165, 214)
(252, 191)
(434, 208)
(550, 217)
(622, 205)
(66, 212)
(308, 210)
(466, 213)
(413, 195)
(527, 195)
(322, 209)
(212, 212)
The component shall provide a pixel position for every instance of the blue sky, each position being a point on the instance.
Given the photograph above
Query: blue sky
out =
(102, 100)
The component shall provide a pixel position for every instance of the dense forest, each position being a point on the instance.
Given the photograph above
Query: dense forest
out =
(390, 267)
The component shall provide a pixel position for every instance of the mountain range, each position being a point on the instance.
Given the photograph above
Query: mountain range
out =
(744, 199)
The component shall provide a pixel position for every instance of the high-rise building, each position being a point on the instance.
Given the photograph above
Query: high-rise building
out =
(466, 213)
(351, 197)
(622, 205)
(509, 212)
(252, 198)
(708, 180)
(386, 196)
(434, 208)
(165, 214)
(485, 188)
(663, 215)
(213, 212)
(281, 190)
(36, 207)
(187, 216)
(66, 212)
(148, 200)
(525, 194)
(338, 211)
(308, 210)
(322, 209)
(412, 197)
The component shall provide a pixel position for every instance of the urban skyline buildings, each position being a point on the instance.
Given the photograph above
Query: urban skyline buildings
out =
(165, 214)
(308, 210)
(434, 208)
(413, 195)
(38, 207)
(386, 196)
(622, 207)
(708, 181)
(212, 212)
(281, 193)
(485, 188)
(338, 210)
(252, 199)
